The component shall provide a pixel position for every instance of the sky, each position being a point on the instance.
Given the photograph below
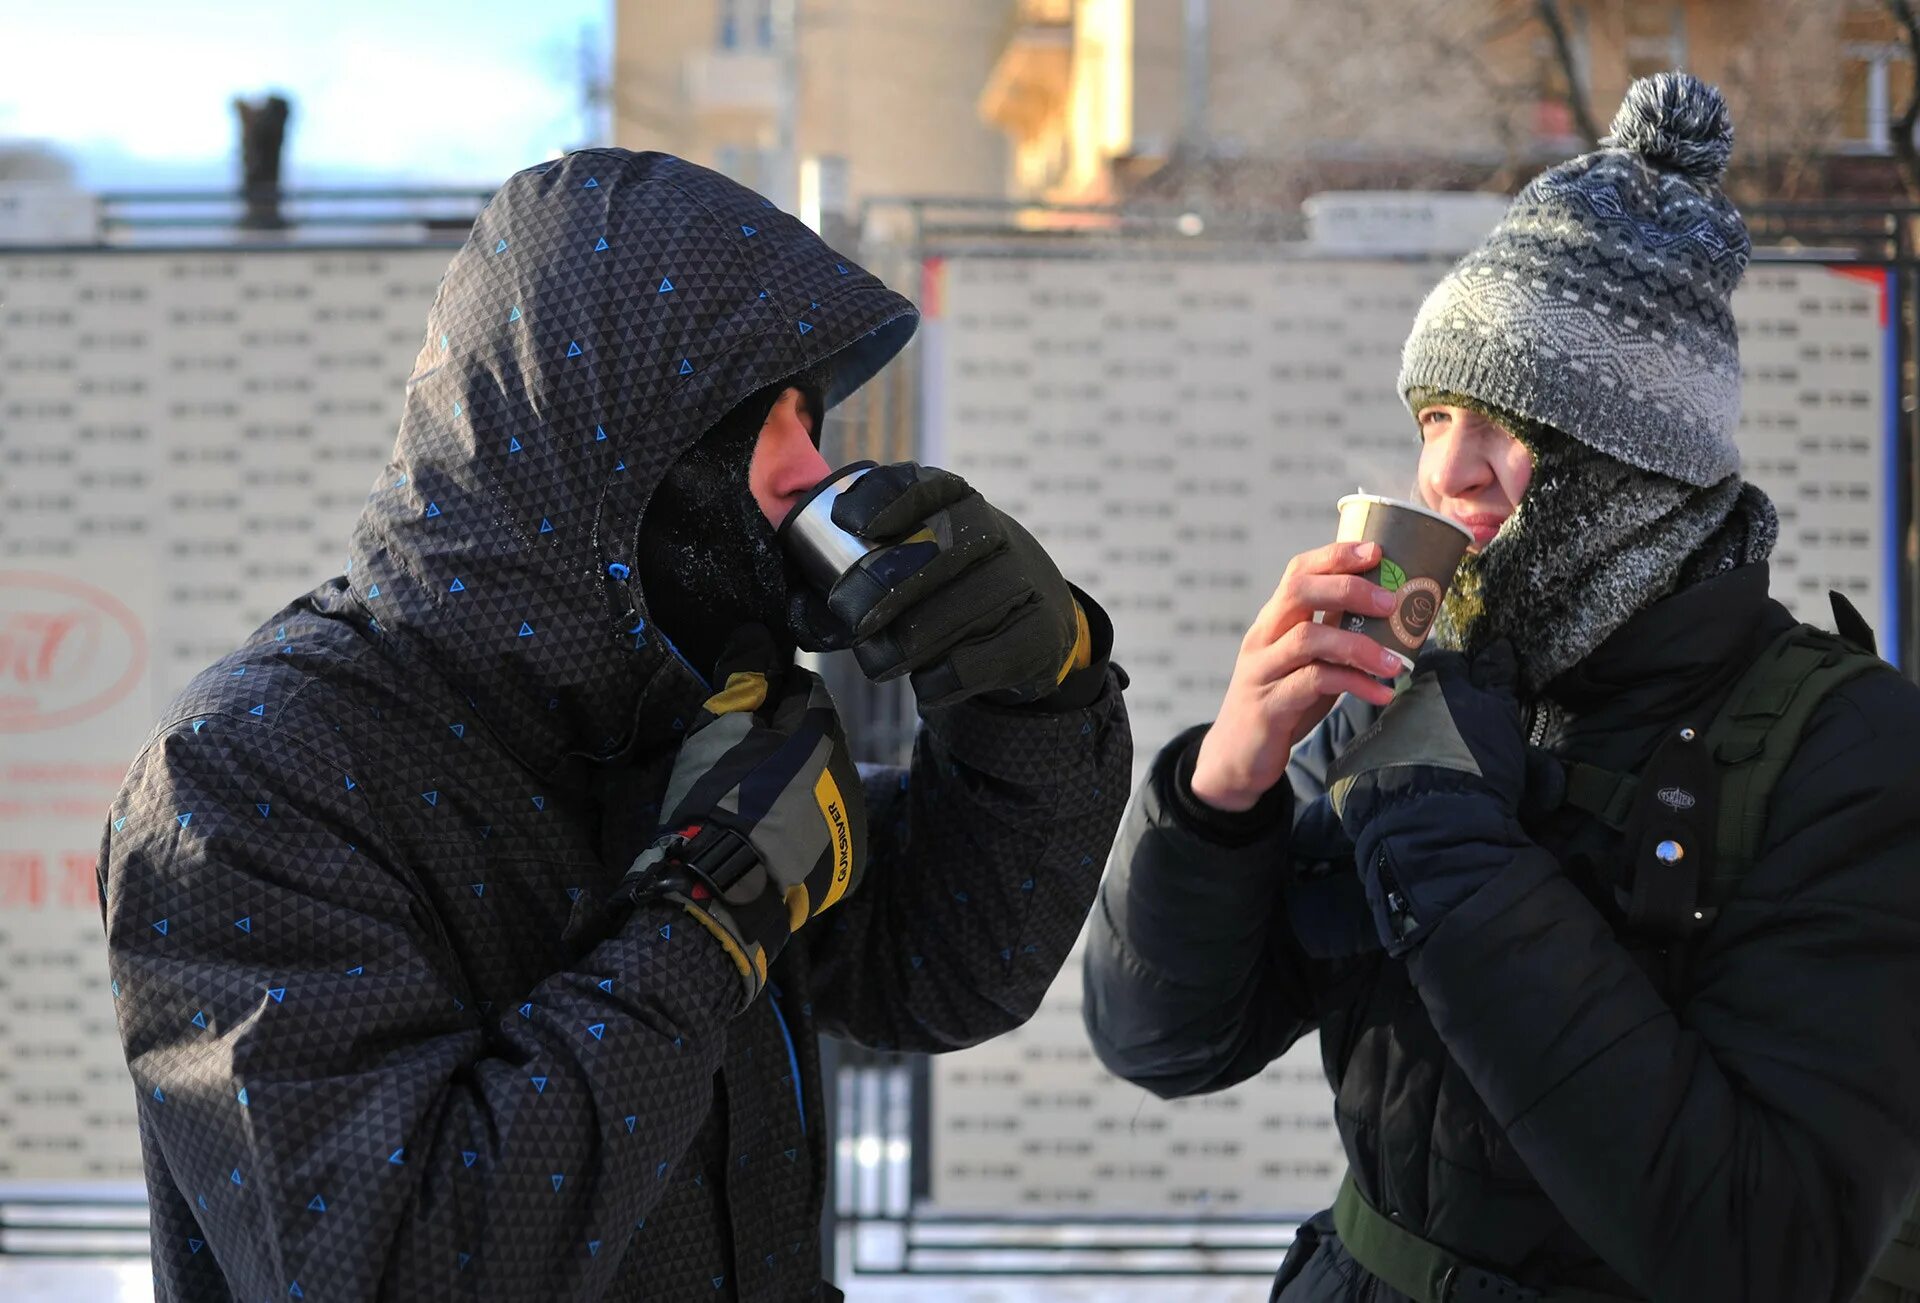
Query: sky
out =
(413, 92)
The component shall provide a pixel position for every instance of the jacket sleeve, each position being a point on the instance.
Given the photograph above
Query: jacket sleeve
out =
(1757, 1142)
(316, 1079)
(1207, 957)
(983, 859)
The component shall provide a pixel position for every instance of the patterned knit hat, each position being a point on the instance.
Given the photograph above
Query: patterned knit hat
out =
(1599, 305)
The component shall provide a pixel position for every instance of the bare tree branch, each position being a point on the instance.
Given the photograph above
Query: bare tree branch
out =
(1556, 24)
(1902, 127)
(1502, 24)
(1788, 106)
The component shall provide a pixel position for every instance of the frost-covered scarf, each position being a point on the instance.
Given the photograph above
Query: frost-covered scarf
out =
(1593, 542)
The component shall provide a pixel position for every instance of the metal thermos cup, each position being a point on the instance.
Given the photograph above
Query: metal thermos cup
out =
(821, 549)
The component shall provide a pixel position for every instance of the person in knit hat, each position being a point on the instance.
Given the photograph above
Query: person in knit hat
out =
(1594, 326)
(1552, 1081)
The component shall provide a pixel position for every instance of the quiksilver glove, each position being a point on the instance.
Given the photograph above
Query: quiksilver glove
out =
(765, 822)
(959, 596)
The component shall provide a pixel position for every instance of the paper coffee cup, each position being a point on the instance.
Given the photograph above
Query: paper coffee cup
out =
(1419, 552)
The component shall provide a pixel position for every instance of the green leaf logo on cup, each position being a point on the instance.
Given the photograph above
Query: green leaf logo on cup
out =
(1419, 552)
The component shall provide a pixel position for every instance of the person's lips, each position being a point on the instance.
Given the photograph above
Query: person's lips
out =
(1483, 525)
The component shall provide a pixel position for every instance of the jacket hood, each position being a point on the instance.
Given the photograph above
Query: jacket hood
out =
(607, 310)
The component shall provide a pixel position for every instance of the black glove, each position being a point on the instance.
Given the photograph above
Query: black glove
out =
(766, 825)
(1431, 794)
(962, 598)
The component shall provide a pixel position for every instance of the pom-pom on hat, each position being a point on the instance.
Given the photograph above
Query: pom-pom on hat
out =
(1599, 305)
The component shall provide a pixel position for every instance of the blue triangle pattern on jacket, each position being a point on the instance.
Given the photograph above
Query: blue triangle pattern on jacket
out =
(541, 668)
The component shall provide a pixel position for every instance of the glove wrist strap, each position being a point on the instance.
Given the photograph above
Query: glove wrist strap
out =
(696, 867)
(715, 853)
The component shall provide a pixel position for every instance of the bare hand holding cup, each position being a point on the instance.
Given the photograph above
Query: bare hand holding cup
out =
(1291, 670)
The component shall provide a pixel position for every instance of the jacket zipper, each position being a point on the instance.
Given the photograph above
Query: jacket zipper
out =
(1537, 727)
(1399, 910)
(793, 1058)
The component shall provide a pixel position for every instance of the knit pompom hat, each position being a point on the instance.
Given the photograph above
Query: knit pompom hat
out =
(1599, 305)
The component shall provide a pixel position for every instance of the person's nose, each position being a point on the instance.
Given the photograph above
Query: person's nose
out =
(785, 466)
(1461, 470)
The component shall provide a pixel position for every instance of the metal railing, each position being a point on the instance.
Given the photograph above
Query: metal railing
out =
(1814, 229)
(1874, 232)
(921, 220)
(73, 1220)
(306, 216)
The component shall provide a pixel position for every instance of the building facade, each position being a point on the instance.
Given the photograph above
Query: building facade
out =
(818, 104)
(1299, 96)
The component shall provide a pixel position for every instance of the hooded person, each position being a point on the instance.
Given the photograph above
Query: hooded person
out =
(1541, 1096)
(465, 923)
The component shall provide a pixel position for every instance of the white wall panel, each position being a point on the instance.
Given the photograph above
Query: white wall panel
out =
(185, 440)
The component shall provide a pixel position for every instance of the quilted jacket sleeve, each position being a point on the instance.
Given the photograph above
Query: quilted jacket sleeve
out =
(1756, 1141)
(984, 858)
(312, 1076)
(1207, 957)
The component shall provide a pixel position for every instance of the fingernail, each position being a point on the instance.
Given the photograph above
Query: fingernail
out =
(1368, 551)
(1383, 601)
(1391, 662)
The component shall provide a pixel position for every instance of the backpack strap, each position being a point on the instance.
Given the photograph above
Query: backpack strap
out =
(1426, 1272)
(1605, 794)
(1899, 1265)
(1750, 743)
(1753, 740)
(1757, 731)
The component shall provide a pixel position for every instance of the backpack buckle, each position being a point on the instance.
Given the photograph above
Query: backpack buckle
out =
(1464, 1284)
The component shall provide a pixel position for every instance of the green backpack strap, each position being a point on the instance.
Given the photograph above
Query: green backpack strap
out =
(1758, 729)
(1752, 740)
(1608, 796)
(1899, 1266)
(1896, 1277)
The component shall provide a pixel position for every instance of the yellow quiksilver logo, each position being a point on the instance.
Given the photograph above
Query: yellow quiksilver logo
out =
(833, 809)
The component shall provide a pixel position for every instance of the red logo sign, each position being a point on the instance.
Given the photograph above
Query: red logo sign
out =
(68, 651)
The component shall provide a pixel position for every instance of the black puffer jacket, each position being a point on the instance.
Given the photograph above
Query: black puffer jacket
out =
(383, 1044)
(1525, 1089)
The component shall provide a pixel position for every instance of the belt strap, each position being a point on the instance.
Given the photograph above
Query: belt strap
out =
(1899, 1266)
(1424, 1271)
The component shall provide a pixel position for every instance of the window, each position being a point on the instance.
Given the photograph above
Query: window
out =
(746, 24)
(1876, 79)
(1876, 76)
(1656, 37)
